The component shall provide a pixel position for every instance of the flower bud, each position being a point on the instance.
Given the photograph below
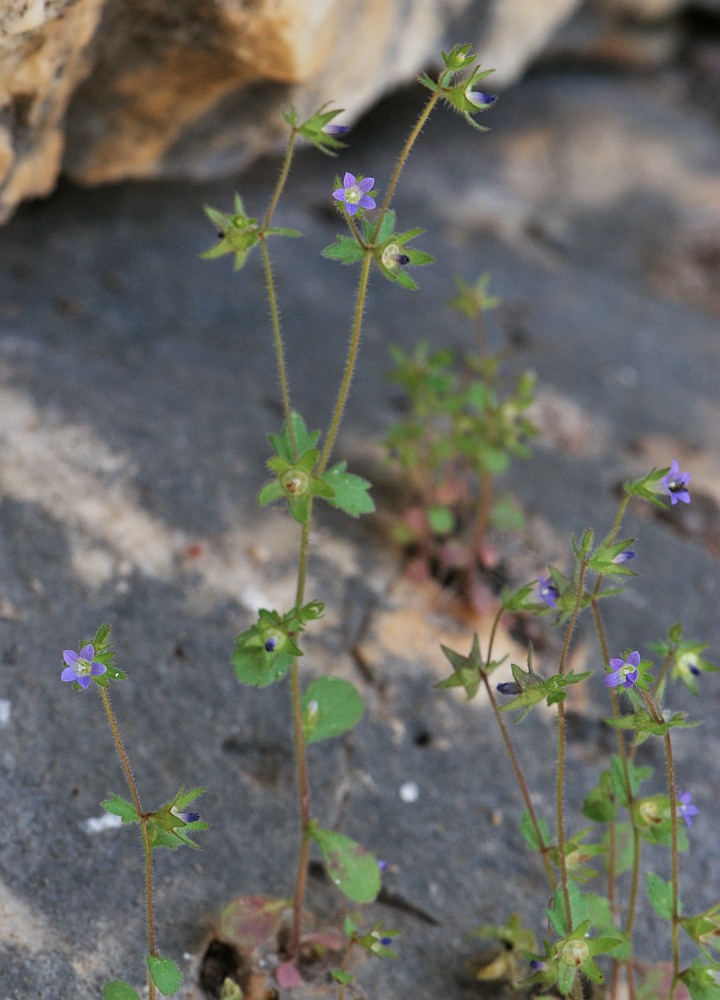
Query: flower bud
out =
(295, 482)
(393, 257)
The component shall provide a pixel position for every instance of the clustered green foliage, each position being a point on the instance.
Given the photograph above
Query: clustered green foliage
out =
(584, 925)
(462, 429)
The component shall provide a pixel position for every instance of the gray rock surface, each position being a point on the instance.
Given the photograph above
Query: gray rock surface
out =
(149, 88)
(137, 386)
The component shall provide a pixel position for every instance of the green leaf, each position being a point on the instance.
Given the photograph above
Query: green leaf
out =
(346, 249)
(330, 706)
(701, 981)
(384, 233)
(304, 439)
(507, 514)
(599, 804)
(537, 689)
(644, 725)
(257, 668)
(165, 974)
(166, 828)
(119, 991)
(350, 491)
(660, 894)
(442, 520)
(557, 914)
(467, 670)
(270, 492)
(342, 977)
(530, 835)
(122, 808)
(282, 231)
(349, 866)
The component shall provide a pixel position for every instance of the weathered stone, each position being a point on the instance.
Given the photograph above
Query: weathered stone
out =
(110, 89)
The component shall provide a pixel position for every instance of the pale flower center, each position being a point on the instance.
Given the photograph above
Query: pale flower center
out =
(82, 667)
(353, 194)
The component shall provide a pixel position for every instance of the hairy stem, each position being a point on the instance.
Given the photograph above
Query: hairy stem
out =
(561, 750)
(512, 757)
(147, 849)
(277, 337)
(349, 365)
(402, 158)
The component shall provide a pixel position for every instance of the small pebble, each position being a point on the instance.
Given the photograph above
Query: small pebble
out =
(410, 791)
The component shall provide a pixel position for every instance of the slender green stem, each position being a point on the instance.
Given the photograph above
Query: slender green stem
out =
(349, 364)
(560, 806)
(277, 337)
(512, 756)
(484, 510)
(612, 850)
(147, 849)
(282, 178)
(304, 802)
(673, 866)
(672, 793)
(402, 158)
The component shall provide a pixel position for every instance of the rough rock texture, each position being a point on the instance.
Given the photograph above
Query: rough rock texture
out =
(137, 384)
(111, 89)
(141, 88)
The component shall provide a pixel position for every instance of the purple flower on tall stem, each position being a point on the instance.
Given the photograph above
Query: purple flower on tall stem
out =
(354, 193)
(547, 591)
(685, 809)
(81, 666)
(624, 672)
(676, 483)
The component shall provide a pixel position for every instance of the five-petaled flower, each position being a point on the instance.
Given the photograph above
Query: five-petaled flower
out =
(547, 591)
(354, 193)
(685, 809)
(623, 672)
(81, 666)
(676, 483)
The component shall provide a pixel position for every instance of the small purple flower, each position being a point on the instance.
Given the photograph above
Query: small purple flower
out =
(382, 865)
(547, 591)
(624, 672)
(676, 483)
(479, 99)
(81, 666)
(336, 129)
(354, 193)
(386, 941)
(509, 687)
(685, 809)
(623, 556)
(270, 644)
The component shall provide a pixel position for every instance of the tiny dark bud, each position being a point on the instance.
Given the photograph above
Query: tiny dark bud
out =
(270, 644)
(695, 670)
(509, 687)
